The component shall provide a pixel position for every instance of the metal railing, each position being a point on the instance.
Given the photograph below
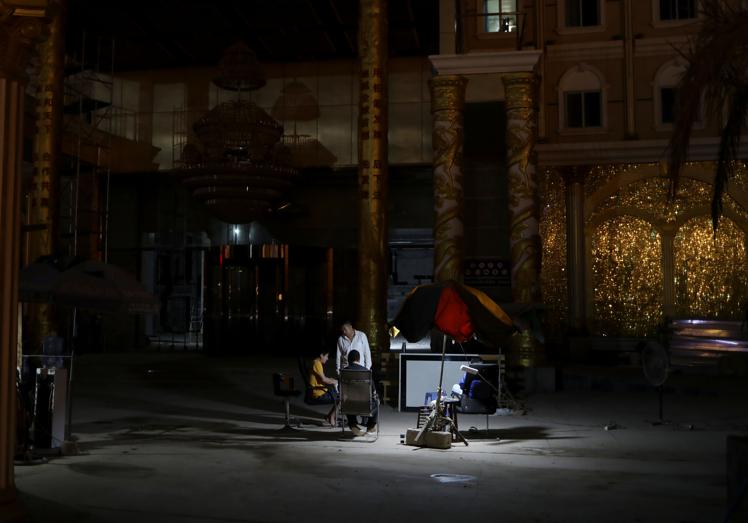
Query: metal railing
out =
(500, 22)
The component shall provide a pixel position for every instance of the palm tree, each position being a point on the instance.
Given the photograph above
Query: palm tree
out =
(717, 68)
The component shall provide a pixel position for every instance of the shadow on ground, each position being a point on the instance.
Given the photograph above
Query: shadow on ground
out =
(204, 433)
(512, 434)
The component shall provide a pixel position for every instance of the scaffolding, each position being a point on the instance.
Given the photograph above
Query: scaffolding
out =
(85, 184)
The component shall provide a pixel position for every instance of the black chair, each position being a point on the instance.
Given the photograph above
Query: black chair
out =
(357, 395)
(283, 386)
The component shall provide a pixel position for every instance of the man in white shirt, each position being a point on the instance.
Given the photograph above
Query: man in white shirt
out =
(352, 339)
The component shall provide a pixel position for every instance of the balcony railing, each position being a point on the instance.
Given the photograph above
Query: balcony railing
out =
(503, 22)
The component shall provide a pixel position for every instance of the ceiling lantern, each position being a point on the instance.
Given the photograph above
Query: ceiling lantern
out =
(296, 104)
(239, 169)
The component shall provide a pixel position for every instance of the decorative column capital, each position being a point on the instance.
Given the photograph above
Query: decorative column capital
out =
(22, 25)
(519, 89)
(447, 92)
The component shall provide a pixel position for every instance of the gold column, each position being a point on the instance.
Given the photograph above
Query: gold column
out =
(44, 193)
(668, 270)
(521, 114)
(18, 34)
(372, 175)
(667, 240)
(575, 248)
(447, 105)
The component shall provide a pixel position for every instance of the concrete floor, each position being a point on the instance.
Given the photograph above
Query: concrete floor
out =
(183, 438)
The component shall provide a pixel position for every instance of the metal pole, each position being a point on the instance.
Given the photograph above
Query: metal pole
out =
(69, 398)
(441, 377)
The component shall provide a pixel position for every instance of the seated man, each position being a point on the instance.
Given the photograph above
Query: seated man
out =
(371, 425)
(475, 392)
(323, 388)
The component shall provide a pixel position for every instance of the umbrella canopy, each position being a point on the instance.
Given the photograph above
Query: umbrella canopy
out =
(456, 310)
(89, 285)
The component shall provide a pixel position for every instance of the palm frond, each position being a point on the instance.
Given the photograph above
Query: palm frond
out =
(717, 71)
(728, 149)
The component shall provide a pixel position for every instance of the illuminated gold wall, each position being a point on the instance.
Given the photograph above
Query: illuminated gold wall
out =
(626, 277)
(553, 279)
(710, 271)
(646, 256)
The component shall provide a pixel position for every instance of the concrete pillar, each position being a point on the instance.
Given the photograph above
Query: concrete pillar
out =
(373, 260)
(521, 108)
(18, 34)
(447, 106)
(44, 191)
(575, 247)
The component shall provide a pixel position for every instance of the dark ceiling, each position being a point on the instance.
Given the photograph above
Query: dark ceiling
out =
(178, 33)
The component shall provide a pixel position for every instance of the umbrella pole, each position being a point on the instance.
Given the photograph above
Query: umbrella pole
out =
(441, 377)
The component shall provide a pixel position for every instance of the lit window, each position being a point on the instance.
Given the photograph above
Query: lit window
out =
(583, 109)
(677, 9)
(500, 16)
(582, 13)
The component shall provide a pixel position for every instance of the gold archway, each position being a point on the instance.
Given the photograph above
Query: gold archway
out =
(711, 271)
(626, 276)
(711, 276)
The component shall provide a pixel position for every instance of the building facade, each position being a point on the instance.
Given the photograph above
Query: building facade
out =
(617, 256)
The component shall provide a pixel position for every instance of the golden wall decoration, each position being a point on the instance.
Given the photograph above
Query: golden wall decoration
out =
(741, 175)
(635, 221)
(372, 175)
(649, 196)
(602, 174)
(447, 104)
(626, 277)
(553, 278)
(711, 271)
(521, 124)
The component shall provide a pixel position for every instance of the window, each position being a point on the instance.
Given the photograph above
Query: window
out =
(583, 109)
(677, 9)
(665, 94)
(500, 16)
(581, 101)
(667, 105)
(582, 13)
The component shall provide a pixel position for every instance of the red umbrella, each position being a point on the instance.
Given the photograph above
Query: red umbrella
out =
(457, 310)
(452, 316)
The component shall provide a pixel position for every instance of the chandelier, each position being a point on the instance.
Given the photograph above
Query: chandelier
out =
(239, 169)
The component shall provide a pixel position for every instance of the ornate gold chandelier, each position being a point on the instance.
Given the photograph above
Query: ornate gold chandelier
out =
(240, 168)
